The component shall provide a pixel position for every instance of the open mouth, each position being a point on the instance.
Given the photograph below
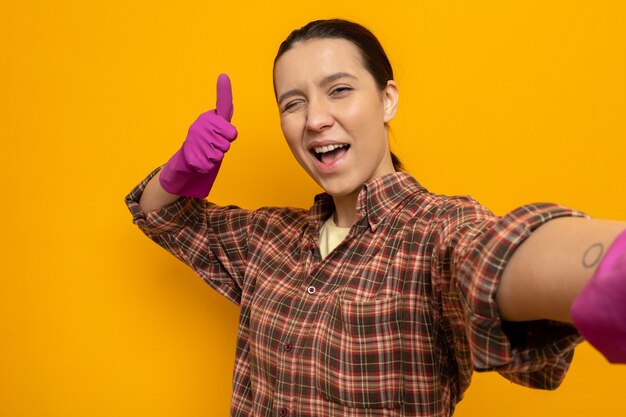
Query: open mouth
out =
(329, 153)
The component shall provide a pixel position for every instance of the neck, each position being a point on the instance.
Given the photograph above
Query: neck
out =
(345, 209)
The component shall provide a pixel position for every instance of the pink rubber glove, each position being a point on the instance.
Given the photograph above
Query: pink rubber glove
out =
(599, 311)
(192, 170)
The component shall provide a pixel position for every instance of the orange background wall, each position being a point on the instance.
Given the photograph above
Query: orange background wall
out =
(512, 102)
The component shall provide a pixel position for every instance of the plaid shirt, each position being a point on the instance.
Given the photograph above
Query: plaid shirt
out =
(392, 323)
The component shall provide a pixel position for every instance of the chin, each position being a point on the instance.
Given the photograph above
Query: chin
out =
(341, 189)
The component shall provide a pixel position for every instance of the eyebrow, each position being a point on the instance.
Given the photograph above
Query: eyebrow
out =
(326, 80)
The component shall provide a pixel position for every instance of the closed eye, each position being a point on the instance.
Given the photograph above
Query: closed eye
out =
(342, 90)
(292, 105)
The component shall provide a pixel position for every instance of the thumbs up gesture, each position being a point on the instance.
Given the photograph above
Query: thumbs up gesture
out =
(192, 170)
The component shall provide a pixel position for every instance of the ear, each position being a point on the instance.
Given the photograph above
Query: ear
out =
(390, 100)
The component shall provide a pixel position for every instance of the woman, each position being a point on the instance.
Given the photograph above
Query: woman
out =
(382, 298)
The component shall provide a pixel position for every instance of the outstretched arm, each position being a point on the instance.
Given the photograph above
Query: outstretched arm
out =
(548, 272)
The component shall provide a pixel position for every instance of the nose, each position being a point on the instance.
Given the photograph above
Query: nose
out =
(318, 115)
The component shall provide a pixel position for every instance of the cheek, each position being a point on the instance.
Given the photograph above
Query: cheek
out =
(291, 130)
(363, 115)
(292, 140)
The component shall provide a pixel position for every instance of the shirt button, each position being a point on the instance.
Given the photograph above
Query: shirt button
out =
(283, 412)
(311, 290)
(288, 347)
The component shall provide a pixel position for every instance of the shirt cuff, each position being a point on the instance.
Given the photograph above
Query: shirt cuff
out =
(165, 220)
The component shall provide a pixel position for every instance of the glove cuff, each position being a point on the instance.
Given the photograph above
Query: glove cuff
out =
(178, 178)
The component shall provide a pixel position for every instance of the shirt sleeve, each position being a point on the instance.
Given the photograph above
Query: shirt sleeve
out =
(211, 239)
(473, 250)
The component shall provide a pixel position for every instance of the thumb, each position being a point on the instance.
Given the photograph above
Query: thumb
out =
(224, 97)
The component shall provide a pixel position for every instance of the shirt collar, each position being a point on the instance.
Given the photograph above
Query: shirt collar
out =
(375, 201)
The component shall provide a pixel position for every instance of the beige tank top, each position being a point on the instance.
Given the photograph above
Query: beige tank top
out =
(331, 236)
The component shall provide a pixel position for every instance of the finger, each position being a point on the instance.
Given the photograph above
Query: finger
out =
(224, 97)
(224, 129)
(220, 144)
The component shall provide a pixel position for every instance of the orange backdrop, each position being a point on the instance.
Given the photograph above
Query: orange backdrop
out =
(512, 102)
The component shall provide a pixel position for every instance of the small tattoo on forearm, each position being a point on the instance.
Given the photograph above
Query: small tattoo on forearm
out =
(592, 255)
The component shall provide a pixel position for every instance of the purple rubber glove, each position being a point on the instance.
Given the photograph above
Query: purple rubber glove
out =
(599, 311)
(192, 170)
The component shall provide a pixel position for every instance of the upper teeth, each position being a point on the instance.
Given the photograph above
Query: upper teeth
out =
(328, 148)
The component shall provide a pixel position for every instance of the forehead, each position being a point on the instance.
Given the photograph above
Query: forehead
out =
(317, 58)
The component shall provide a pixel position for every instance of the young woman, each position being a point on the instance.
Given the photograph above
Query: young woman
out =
(382, 298)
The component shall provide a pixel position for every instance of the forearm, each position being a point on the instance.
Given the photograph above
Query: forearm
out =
(548, 271)
(154, 196)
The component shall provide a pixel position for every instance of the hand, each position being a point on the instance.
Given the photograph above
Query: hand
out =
(192, 170)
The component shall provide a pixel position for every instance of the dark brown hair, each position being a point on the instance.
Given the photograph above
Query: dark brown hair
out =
(374, 58)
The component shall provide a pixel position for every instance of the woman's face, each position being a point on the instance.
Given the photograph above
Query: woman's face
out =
(333, 115)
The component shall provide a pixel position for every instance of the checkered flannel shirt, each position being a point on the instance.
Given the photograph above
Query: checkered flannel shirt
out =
(391, 323)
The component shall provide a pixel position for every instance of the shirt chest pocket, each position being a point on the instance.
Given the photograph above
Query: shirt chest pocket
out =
(358, 353)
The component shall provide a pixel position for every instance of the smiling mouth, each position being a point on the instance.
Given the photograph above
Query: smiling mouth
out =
(329, 153)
